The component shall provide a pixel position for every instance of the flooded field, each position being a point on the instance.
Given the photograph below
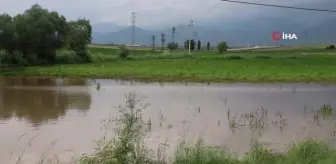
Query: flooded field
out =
(63, 117)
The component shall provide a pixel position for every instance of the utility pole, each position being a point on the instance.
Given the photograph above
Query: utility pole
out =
(306, 37)
(163, 39)
(173, 34)
(191, 24)
(133, 21)
(153, 39)
(195, 36)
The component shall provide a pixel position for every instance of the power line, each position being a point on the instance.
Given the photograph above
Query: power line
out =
(279, 6)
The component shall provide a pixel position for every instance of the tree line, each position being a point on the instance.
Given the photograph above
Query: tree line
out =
(221, 47)
(35, 35)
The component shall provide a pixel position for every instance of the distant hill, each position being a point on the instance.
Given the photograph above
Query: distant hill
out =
(320, 28)
(106, 27)
(258, 33)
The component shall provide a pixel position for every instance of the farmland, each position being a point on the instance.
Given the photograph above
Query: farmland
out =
(294, 64)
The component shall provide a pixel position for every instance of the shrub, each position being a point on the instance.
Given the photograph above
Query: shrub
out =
(84, 55)
(72, 57)
(330, 47)
(123, 52)
(309, 152)
(172, 46)
(222, 47)
(234, 57)
(202, 154)
(66, 57)
(128, 145)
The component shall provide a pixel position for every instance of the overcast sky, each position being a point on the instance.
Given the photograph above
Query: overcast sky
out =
(150, 13)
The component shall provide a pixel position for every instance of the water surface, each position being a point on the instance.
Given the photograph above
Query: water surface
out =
(63, 116)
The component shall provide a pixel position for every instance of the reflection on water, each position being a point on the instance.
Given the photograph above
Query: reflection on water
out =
(47, 81)
(40, 105)
(224, 115)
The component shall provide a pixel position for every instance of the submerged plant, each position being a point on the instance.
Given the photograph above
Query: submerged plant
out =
(326, 110)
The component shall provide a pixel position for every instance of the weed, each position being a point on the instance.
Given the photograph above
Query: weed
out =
(201, 154)
(127, 147)
(326, 110)
(123, 52)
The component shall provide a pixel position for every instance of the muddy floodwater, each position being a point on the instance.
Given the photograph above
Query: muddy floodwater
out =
(63, 117)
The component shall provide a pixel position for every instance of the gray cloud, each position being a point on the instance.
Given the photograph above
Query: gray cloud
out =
(150, 13)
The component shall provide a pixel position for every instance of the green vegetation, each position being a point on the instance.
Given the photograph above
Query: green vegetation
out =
(172, 46)
(208, 46)
(199, 45)
(192, 44)
(34, 36)
(123, 52)
(30, 39)
(222, 47)
(200, 67)
(331, 47)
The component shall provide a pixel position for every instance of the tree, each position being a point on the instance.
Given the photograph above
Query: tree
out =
(36, 34)
(222, 47)
(7, 30)
(199, 44)
(172, 46)
(80, 34)
(208, 46)
(192, 44)
(163, 39)
(39, 33)
(330, 47)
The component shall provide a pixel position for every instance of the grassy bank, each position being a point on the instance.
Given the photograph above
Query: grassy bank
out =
(306, 152)
(277, 66)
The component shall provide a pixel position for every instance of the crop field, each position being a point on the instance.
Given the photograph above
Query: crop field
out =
(256, 66)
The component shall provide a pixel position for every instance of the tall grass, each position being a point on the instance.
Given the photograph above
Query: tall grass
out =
(127, 146)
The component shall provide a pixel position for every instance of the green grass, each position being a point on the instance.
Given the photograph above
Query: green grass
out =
(200, 67)
(305, 152)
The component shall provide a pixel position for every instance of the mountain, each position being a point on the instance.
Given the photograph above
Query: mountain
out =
(252, 32)
(124, 36)
(105, 27)
(310, 27)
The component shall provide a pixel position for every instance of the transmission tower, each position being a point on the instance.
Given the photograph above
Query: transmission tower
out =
(133, 21)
